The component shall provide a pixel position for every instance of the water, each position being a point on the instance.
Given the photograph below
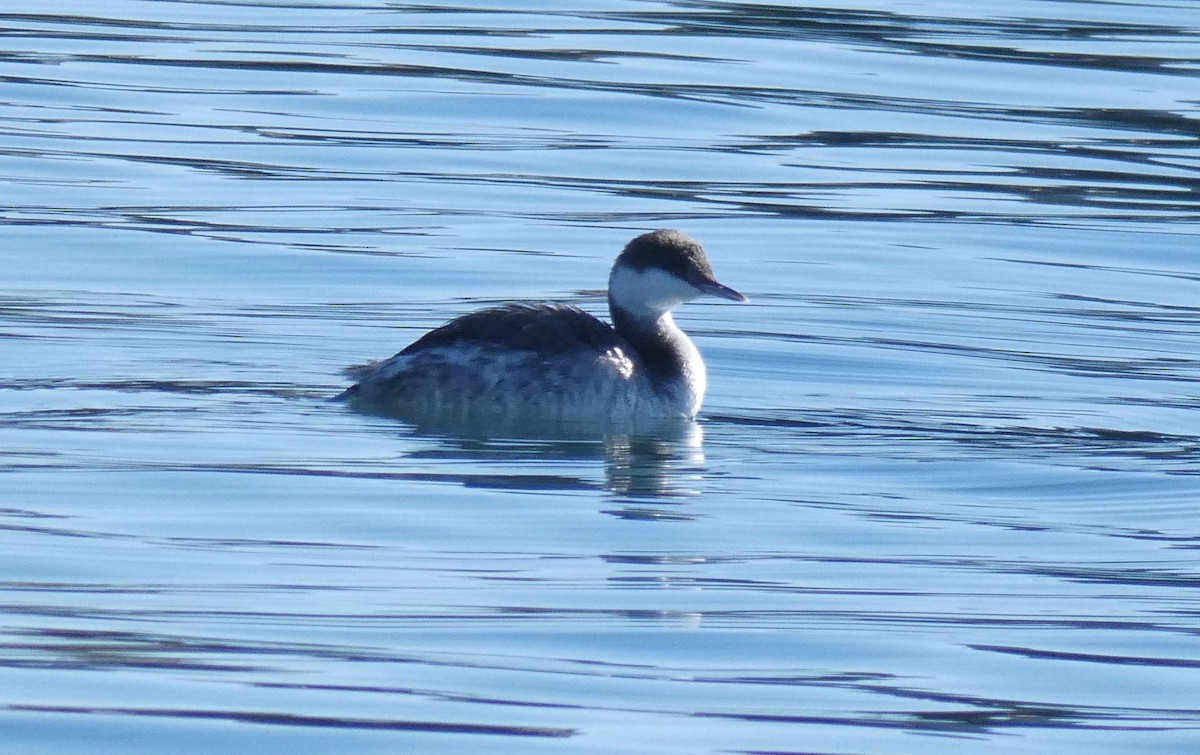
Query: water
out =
(943, 493)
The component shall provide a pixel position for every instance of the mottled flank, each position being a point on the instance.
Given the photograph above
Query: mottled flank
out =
(542, 360)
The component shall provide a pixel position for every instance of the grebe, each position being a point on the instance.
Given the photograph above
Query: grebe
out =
(556, 362)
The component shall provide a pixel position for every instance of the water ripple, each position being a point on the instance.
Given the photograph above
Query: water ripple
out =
(944, 484)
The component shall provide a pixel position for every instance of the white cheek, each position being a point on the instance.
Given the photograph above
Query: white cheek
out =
(649, 290)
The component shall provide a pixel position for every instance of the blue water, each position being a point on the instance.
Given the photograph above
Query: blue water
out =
(944, 491)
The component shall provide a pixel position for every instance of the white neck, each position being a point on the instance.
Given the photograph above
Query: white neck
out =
(692, 381)
(641, 304)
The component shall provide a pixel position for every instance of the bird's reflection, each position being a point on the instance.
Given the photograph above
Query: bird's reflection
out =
(663, 459)
(668, 462)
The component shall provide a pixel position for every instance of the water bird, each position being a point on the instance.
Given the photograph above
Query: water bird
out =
(555, 362)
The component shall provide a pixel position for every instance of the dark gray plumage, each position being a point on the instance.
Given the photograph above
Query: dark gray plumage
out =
(555, 361)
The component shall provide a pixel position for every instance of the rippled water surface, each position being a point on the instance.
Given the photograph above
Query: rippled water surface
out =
(943, 496)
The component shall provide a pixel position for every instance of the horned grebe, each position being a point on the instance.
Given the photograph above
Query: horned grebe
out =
(556, 362)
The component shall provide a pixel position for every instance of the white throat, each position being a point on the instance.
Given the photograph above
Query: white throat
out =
(648, 294)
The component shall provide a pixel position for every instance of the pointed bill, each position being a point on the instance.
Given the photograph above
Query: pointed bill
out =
(721, 291)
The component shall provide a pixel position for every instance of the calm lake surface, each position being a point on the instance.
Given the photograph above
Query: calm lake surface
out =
(944, 495)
